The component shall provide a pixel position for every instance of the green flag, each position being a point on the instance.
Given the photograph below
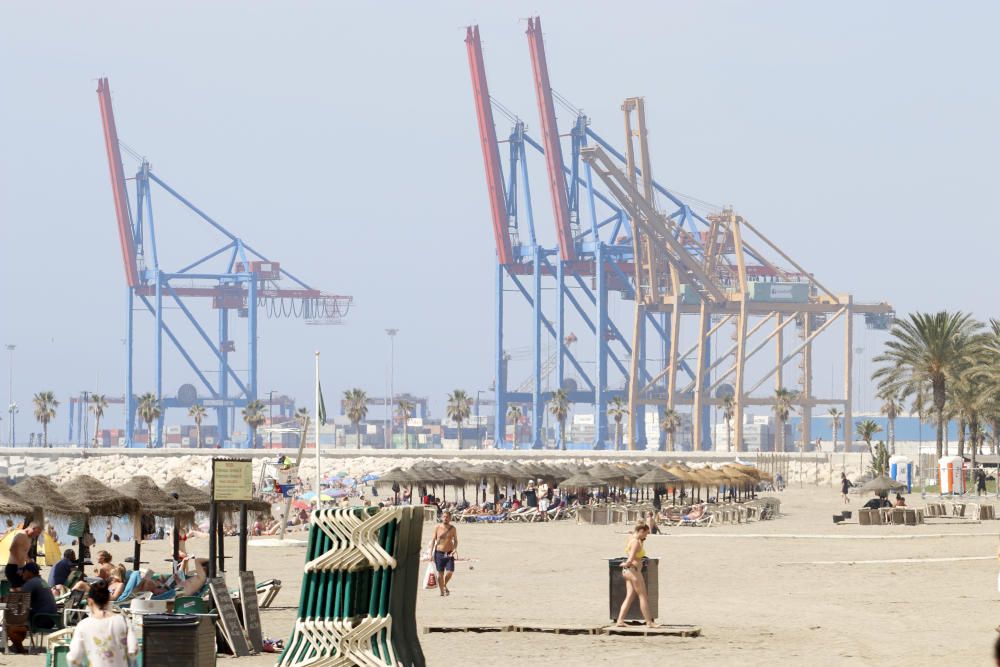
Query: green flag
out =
(321, 410)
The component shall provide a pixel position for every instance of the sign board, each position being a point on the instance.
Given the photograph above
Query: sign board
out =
(251, 610)
(232, 479)
(229, 622)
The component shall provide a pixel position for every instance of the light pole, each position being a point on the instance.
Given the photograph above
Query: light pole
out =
(392, 399)
(479, 428)
(86, 419)
(270, 419)
(12, 408)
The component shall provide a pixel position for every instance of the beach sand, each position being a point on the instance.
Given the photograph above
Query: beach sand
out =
(794, 591)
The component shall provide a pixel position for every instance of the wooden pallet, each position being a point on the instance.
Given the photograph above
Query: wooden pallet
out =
(627, 631)
(661, 631)
(560, 629)
(467, 628)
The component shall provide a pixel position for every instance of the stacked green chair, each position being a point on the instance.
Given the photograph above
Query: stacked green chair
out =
(359, 590)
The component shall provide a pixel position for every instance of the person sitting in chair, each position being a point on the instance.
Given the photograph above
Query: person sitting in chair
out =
(40, 607)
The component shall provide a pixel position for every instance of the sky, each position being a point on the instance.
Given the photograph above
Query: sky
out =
(340, 139)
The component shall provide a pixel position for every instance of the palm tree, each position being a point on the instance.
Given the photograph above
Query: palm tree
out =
(253, 415)
(45, 411)
(98, 402)
(835, 417)
(782, 407)
(866, 430)
(514, 416)
(302, 417)
(891, 407)
(670, 421)
(559, 408)
(149, 411)
(618, 409)
(357, 409)
(458, 409)
(404, 409)
(197, 412)
(923, 352)
(728, 412)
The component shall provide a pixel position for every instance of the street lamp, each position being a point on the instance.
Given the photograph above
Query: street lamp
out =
(391, 400)
(270, 419)
(479, 427)
(12, 408)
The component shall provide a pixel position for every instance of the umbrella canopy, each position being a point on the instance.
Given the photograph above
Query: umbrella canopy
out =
(883, 484)
(582, 480)
(11, 502)
(201, 499)
(189, 495)
(608, 472)
(518, 473)
(396, 476)
(657, 476)
(683, 474)
(42, 494)
(154, 500)
(100, 500)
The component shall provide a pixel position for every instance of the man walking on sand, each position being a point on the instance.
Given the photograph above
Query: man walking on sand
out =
(444, 544)
(18, 556)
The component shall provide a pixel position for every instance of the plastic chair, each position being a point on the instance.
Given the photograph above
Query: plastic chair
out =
(41, 625)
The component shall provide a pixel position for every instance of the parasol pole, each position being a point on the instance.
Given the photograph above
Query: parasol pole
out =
(319, 473)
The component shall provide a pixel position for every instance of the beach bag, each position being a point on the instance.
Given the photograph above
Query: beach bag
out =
(430, 577)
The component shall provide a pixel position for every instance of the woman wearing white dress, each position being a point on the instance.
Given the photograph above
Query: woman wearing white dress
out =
(103, 639)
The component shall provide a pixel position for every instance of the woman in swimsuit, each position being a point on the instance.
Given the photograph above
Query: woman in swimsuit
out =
(635, 585)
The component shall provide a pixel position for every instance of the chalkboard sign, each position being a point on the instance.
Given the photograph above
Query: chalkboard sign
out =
(251, 610)
(228, 620)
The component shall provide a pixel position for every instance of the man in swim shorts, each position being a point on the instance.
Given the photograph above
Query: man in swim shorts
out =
(444, 544)
(18, 557)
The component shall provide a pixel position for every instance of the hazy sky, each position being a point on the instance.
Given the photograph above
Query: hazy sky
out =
(341, 140)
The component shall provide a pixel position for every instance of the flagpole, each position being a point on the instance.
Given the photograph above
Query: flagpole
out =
(319, 474)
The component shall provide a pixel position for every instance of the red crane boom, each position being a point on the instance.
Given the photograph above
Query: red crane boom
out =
(118, 183)
(488, 142)
(550, 140)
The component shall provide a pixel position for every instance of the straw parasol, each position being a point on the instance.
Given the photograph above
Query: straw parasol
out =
(657, 475)
(883, 484)
(154, 500)
(395, 476)
(100, 500)
(582, 480)
(197, 498)
(11, 502)
(608, 472)
(43, 495)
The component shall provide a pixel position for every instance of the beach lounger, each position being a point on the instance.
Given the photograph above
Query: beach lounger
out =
(705, 519)
(865, 517)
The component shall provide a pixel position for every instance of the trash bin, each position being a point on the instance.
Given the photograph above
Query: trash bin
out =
(177, 639)
(616, 589)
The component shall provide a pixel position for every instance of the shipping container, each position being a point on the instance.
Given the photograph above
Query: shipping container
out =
(779, 292)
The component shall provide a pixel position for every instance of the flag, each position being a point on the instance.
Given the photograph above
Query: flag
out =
(321, 410)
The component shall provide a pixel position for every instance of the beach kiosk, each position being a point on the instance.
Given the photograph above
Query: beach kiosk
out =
(901, 470)
(950, 474)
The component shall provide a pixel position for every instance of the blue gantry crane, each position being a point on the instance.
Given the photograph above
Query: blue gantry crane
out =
(235, 280)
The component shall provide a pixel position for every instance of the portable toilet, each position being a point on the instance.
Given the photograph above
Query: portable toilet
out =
(951, 475)
(901, 470)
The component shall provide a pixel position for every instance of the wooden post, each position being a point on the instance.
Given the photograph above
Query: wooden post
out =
(243, 537)
(212, 512)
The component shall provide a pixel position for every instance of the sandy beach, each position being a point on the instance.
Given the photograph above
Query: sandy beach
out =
(794, 591)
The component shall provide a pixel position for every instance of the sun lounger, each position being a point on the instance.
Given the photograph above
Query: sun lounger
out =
(705, 519)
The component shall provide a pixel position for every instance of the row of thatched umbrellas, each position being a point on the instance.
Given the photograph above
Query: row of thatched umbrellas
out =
(84, 496)
(576, 475)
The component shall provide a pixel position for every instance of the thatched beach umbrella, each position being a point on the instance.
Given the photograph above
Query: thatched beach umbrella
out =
(658, 476)
(582, 480)
(100, 500)
(197, 498)
(155, 501)
(44, 496)
(12, 503)
(883, 484)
